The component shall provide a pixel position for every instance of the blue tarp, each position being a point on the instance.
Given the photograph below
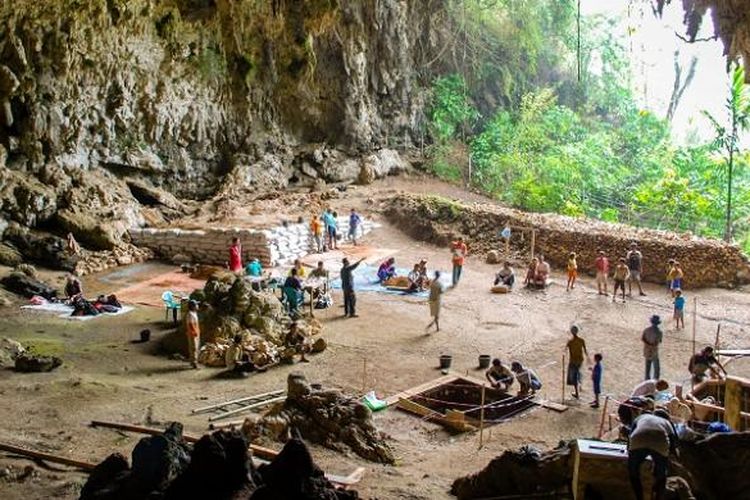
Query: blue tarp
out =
(366, 280)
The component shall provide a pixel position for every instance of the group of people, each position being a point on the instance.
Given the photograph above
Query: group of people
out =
(502, 378)
(324, 229)
(537, 274)
(73, 291)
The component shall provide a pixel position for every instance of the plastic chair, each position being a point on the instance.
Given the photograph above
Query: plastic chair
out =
(170, 305)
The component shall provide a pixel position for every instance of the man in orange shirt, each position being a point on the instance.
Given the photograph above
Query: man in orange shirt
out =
(317, 233)
(459, 249)
(193, 332)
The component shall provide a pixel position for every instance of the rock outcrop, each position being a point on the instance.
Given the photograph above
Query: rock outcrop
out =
(113, 110)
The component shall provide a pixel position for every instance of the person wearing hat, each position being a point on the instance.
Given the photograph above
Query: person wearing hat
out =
(652, 435)
(193, 333)
(651, 338)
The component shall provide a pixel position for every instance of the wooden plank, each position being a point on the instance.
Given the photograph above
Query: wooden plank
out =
(452, 422)
(47, 457)
(413, 391)
(237, 401)
(550, 405)
(733, 403)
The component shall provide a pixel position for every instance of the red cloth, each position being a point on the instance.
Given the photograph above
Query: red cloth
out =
(602, 265)
(235, 258)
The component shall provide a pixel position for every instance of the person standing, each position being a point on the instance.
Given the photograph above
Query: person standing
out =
(347, 286)
(620, 276)
(435, 301)
(679, 310)
(602, 271)
(597, 371)
(193, 333)
(651, 338)
(235, 256)
(653, 435)
(572, 271)
(677, 276)
(317, 233)
(459, 250)
(355, 221)
(576, 351)
(634, 258)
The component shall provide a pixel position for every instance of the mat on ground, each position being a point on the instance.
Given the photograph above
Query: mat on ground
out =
(65, 311)
(366, 280)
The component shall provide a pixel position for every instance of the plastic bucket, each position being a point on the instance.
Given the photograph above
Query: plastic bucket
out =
(484, 360)
(445, 361)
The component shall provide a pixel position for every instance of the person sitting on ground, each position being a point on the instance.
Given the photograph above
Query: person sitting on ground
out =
(254, 268)
(296, 339)
(387, 269)
(572, 268)
(620, 276)
(505, 277)
(650, 387)
(107, 303)
(528, 380)
(73, 287)
(293, 292)
(236, 360)
(415, 280)
(499, 376)
(531, 272)
(652, 436)
(703, 362)
(299, 268)
(541, 279)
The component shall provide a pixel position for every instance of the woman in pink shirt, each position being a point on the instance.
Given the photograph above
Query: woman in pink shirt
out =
(602, 270)
(235, 256)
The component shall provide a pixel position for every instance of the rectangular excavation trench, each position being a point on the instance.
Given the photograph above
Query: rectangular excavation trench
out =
(457, 404)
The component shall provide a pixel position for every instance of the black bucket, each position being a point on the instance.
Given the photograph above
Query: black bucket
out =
(145, 335)
(484, 360)
(445, 361)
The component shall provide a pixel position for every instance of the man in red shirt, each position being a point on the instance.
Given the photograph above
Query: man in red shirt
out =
(459, 249)
(235, 256)
(602, 271)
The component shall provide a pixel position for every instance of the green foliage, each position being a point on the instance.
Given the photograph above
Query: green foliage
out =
(451, 110)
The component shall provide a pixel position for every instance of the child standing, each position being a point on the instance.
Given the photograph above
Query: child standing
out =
(572, 271)
(596, 378)
(668, 274)
(679, 310)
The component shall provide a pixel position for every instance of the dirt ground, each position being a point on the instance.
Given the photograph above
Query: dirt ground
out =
(107, 376)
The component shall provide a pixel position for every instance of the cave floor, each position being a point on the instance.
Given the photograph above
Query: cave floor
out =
(106, 376)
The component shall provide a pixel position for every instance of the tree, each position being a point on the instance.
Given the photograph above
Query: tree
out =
(679, 86)
(727, 138)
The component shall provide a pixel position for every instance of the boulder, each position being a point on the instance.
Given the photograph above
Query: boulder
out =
(25, 199)
(493, 257)
(41, 248)
(9, 255)
(9, 351)
(28, 362)
(89, 229)
(319, 345)
(26, 286)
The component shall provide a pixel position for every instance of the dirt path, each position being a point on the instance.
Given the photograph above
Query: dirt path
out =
(107, 376)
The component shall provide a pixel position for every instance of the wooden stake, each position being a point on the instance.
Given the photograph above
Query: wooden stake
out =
(533, 242)
(718, 332)
(481, 419)
(604, 415)
(562, 392)
(695, 316)
(364, 375)
(46, 457)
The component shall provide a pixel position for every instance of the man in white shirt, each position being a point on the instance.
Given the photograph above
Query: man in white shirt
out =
(650, 387)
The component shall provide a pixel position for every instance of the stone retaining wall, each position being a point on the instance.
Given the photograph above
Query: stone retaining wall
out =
(705, 262)
(276, 246)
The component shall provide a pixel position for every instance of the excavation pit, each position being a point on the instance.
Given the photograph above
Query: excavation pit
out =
(457, 404)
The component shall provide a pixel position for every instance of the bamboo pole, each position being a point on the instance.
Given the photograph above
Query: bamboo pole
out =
(236, 401)
(47, 457)
(562, 391)
(604, 416)
(533, 241)
(481, 418)
(246, 408)
(718, 333)
(695, 316)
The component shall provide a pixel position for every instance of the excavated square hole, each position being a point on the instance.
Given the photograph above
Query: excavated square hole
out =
(457, 404)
